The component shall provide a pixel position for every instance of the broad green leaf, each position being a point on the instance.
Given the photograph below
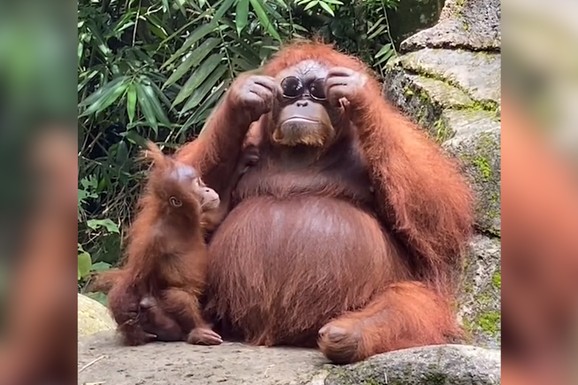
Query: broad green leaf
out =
(327, 8)
(192, 60)
(131, 102)
(109, 225)
(265, 22)
(242, 15)
(84, 264)
(195, 36)
(205, 88)
(100, 266)
(105, 96)
(99, 297)
(198, 77)
(335, 2)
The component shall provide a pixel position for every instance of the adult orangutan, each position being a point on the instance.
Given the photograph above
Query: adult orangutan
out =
(349, 230)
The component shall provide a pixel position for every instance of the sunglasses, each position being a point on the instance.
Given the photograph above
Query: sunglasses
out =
(293, 88)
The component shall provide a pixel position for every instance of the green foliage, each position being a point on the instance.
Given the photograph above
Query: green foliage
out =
(154, 69)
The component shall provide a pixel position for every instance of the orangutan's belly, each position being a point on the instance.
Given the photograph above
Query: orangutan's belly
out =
(279, 270)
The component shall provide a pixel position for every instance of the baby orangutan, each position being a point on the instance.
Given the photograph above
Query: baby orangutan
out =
(164, 270)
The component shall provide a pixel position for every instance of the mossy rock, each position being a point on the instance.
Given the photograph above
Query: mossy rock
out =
(423, 98)
(476, 144)
(93, 317)
(469, 24)
(429, 365)
(478, 74)
(480, 294)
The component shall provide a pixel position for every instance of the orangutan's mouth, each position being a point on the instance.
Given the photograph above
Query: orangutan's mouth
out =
(210, 205)
(299, 119)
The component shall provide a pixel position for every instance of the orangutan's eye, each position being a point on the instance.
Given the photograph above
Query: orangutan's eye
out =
(292, 87)
(317, 89)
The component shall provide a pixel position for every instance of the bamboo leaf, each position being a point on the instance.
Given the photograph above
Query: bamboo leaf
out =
(208, 103)
(265, 22)
(326, 7)
(160, 94)
(311, 5)
(156, 105)
(380, 30)
(282, 3)
(376, 24)
(105, 96)
(198, 77)
(131, 102)
(385, 49)
(223, 9)
(135, 138)
(146, 107)
(184, 27)
(201, 92)
(245, 53)
(386, 57)
(242, 15)
(192, 60)
(195, 36)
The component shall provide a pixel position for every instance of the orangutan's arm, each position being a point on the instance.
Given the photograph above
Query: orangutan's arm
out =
(420, 192)
(216, 152)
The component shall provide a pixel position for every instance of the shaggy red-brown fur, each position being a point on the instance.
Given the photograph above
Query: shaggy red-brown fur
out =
(166, 259)
(355, 247)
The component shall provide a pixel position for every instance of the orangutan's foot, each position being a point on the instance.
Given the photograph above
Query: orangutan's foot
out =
(340, 341)
(204, 336)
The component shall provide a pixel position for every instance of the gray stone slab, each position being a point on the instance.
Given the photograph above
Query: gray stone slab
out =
(101, 360)
(476, 73)
(469, 24)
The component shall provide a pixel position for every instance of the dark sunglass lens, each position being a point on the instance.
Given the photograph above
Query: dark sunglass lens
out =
(292, 87)
(317, 89)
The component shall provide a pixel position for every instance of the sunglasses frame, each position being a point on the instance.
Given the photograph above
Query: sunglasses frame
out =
(303, 86)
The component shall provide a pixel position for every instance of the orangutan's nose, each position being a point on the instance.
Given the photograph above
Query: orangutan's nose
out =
(302, 103)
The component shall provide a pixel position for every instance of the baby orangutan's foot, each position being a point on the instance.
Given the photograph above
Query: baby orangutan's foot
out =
(204, 336)
(340, 341)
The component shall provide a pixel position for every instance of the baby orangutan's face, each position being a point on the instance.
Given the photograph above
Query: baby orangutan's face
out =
(189, 179)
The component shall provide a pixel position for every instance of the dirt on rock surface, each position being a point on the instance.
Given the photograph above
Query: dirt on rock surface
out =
(103, 360)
